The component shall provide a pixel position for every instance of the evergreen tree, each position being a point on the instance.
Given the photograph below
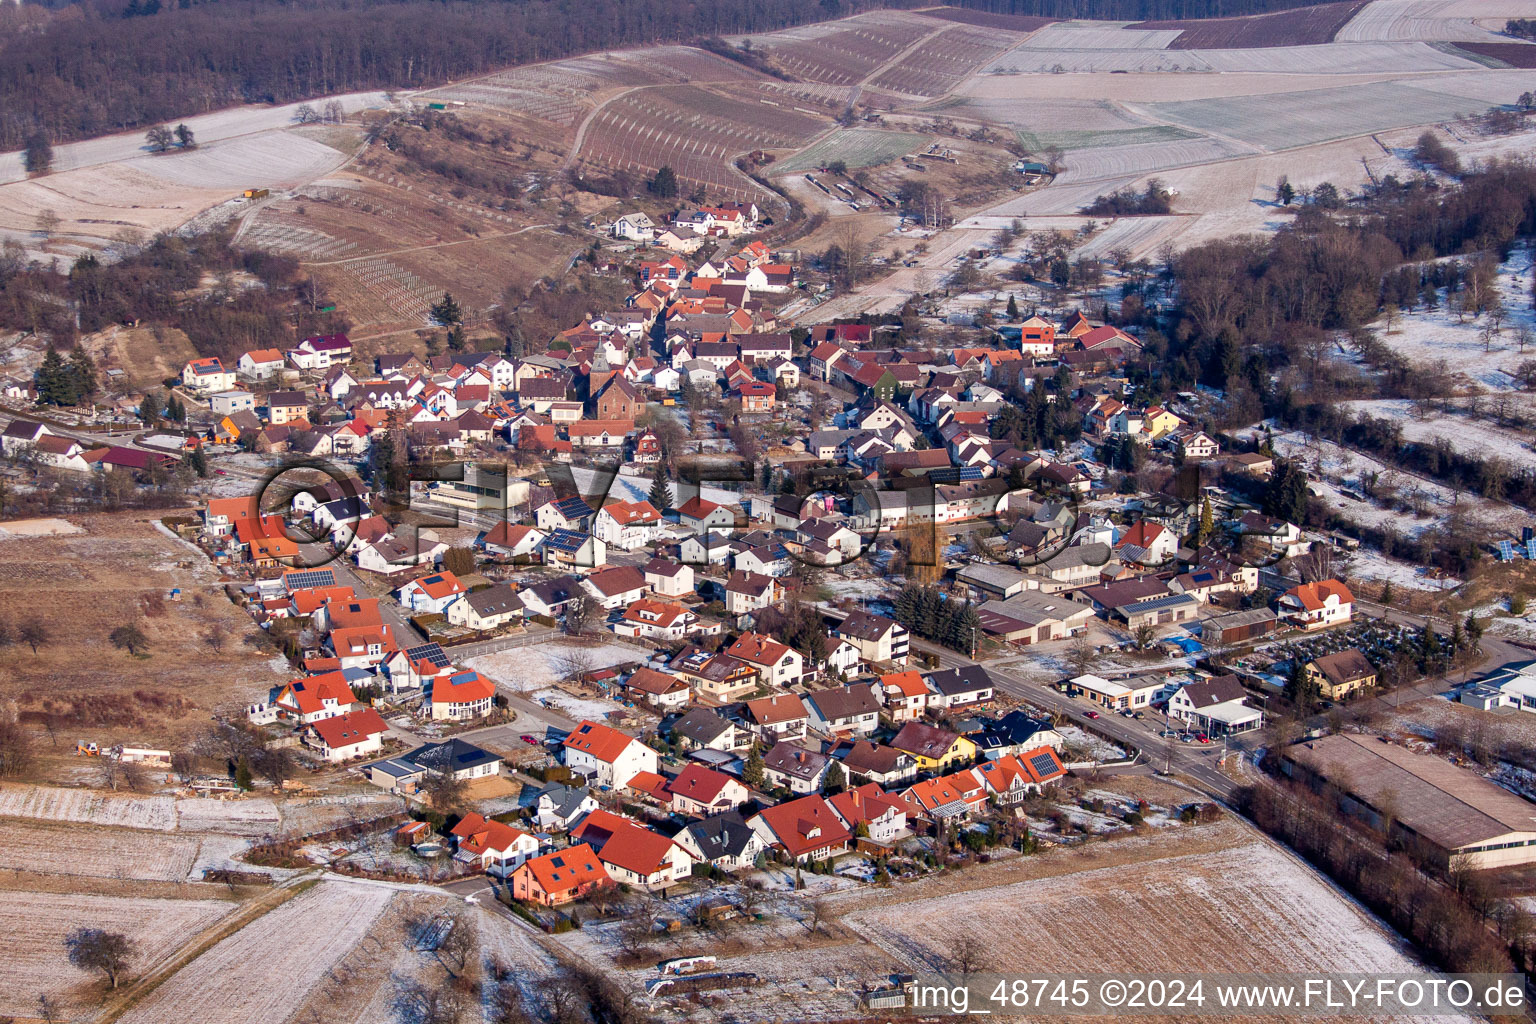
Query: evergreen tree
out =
(39, 158)
(198, 462)
(1386, 593)
(1300, 690)
(55, 383)
(1013, 307)
(967, 630)
(82, 371)
(445, 312)
(1286, 496)
(174, 410)
(837, 779)
(1458, 638)
(661, 492)
(752, 771)
(1474, 629)
(149, 407)
(243, 774)
(905, 607)
(664, 185)
(1207, 520)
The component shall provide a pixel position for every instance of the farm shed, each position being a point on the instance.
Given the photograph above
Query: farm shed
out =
(1448, 812)
(1235, 627)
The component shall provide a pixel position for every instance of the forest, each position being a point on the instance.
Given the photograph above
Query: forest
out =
(73, 71)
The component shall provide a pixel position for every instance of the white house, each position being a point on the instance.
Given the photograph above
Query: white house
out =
(260, 363)
(207, 376)
(778, 664)
(496, 847)
(341, 737)
(431, 595)
(634, 227)
(1317, 605)
(490, 608)
(627, 525)
(668, 578)
(607, 756)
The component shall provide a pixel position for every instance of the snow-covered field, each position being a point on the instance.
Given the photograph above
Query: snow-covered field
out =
(1428, 336)
(34, 926)
(539, 666)
(99, 852)
(1370, 564)
(55, 804)
(1250, 908)
(1096, 748)
(262, 972)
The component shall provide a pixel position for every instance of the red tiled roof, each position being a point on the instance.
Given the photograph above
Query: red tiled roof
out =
(602, 742)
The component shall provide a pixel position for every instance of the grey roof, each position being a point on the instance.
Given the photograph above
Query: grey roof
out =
(564, 800)
(701, 726)
(862, 757)
(725, 835)
(1232, 620)
(795, 761)
(1215, 690)
(953, 681)
(866, 626)
(1032, 608)
(990, 577)
(497, 600)
(1447, 805)
(450, 755)
(844, 702)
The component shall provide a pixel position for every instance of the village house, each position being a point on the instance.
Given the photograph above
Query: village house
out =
(724, 841)
(461, 696)
(716, 678)
(959, 687)
(615, 587)
(633, 854)
(747, 592)
(560, 877)
(310, 700)
(781, 717)
(343, 737)
(460, 761)
(851, 710)
(792, 767)
(880, 641)
(493, 847)
(699, 792)
(627, 525)
(431, 595)
(558, 806)
(905, 695)
(656, 620)
(933, 748)
(704, 729)
(804, 829)
(490, 608)
(1217, 706)
(1341, 675)
(867, 761)
(667, 578)
(657, 689)
(883, 817)
(1317, 605)
(606, 756)
(779, 664)
(207, 376)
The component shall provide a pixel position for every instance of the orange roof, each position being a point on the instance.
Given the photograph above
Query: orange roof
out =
(1314, 596)
(265, 355)
(1144, 534)
(352, 727)
(648, 680)
(601, 741)
(464, 687)
(274, 548)
(696, 508)
(566, 870)
(232, 508)
(1001, 773)
(865, 804)
(439, 585)
(477, 834)
(650, 784)
(636, 849)
(758, 649)
(352, 613)
(594, 428)
(786, 707)
(627, 512)
(311, 598)
(908, 684)
(661, 613)
(309, 694)
(355, 640)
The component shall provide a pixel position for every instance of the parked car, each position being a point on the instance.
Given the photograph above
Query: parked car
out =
(530, 740)
(1093, 714)
(1127, 713)
(1202, 737)
(1138, 716)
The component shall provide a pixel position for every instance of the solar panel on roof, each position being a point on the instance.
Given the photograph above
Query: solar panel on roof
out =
(304, 579)
(433, 654)
(1043, 764)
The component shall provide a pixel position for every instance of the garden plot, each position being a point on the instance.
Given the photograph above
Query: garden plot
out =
(49, 848)
(248, 816)
(542, 665)
(1299, 119)
(1448, 20)
(35, 924)
(1370, 564)
(1141, 236)
(263, 972)
(1095, 747)
(1251, 908)
(89, 806)
(855, 147)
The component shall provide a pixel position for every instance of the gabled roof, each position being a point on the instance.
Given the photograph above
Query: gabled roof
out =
(309, 694)
(866, 626)
(701, 726)
(1344, 666)
(627, 513)
(696, 782)
(1314, 596)
(957, 681)
(864, 756)
(618, 579)
(789, 759)
(602, 742)
(566, 870)
(696, 508)
(844, 702)
(648, 680)
(477, 835)
(924, 740)
(805, 825)
(438, 585)
(757, 649)
(352, 727)
(724, 835)
(464, 687)
(786, 707)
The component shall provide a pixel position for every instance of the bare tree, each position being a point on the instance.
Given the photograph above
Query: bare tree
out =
(818, 908)
(216, 637)
(459, 945)
(1079, 655)
(95, 949)
(580, 613)
(48, 221)
(967, 954)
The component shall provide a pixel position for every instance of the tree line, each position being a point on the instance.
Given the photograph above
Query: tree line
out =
(104, 66)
